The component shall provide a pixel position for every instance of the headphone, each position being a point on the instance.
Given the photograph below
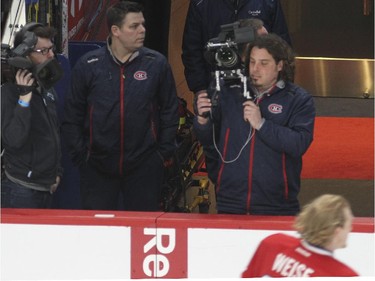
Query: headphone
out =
(24, 42)
(22, 34)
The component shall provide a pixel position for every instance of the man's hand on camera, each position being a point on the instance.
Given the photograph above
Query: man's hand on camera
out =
(25, 78)
(204, 105)
(251, 114)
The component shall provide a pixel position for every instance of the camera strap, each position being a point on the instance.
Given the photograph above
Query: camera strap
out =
(24, 90)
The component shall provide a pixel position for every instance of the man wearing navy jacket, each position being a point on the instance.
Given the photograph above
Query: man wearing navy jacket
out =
(203, 22)
(261, 140)
(121, 117)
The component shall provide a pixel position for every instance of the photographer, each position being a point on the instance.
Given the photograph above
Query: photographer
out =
(261, 140)
(203, 21)
(212, 158)
(30, 130)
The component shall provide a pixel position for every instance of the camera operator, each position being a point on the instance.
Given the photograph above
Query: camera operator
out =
(30, 130)
(212, 159)
(203, 22)
(261, 140)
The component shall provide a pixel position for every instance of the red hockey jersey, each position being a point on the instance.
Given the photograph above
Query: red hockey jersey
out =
(281, 255)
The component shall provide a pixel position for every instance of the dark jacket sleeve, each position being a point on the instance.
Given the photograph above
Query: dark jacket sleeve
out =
(30, 136)
(15, 119)
(203, 132)
(196, 70)
(168, 104)
(206, 132)
(279, 24)
(75, 111)
(295, 138)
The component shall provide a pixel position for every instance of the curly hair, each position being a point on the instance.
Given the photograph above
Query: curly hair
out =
(280, 51)
(318, 220)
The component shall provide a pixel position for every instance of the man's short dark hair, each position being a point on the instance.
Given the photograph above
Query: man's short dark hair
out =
(38, 29)
(117, 12)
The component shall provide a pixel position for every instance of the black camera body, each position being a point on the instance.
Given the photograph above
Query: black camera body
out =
(46, 74)
(223, 52)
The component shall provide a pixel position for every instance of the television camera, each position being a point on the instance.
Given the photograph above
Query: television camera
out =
(46, 74)
(223, 54)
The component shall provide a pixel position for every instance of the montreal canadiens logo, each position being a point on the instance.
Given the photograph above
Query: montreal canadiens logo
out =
(275, 108)
(140, 75)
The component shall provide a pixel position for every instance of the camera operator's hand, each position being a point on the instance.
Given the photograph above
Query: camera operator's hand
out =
(251, 114)
(204, 105)
(25, 78)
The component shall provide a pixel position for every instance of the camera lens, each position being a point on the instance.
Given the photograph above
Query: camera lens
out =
(45, 74)
(48, 73)
(227, 57)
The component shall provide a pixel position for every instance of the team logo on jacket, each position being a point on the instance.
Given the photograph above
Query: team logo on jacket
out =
(275, 108)
(50, 96)
(140, 75)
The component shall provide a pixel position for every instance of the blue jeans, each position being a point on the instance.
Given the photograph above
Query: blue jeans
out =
(14, 195)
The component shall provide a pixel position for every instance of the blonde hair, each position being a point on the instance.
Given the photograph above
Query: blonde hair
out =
(318, 220)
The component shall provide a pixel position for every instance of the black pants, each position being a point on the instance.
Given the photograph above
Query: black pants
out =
(137, 191)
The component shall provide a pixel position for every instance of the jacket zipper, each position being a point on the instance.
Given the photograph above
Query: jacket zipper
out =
(91, 111)
(122, 121)
(32, 166)
(286, 187)
(236, 3)
(51, 127)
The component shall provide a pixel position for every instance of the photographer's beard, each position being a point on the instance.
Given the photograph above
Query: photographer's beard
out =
(264, 79)
(261, 84)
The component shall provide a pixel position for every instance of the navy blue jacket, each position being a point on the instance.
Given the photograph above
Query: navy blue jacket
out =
(203, 22)
(117, 114)
(265, 179)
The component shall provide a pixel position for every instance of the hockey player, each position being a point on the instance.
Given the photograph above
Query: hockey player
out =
(324, 225)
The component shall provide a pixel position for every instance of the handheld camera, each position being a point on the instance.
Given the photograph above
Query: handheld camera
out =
(223, 54)
(46, 74)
